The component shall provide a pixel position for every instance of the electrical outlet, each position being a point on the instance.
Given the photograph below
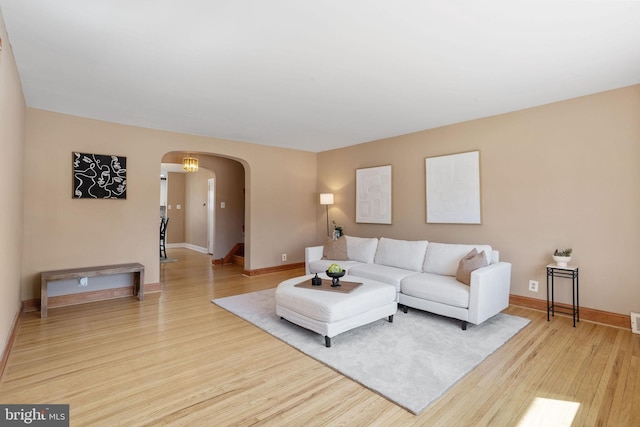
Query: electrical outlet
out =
(84, 281)
(284, 257)
(533, 285)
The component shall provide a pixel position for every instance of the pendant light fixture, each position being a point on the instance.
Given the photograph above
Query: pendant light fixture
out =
(190, 164)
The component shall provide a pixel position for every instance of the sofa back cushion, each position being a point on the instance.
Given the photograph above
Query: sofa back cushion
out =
(405, 254)
(361, 248)
(443, 258)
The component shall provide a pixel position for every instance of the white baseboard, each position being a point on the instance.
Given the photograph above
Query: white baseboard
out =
(635, 323)
(187, 246)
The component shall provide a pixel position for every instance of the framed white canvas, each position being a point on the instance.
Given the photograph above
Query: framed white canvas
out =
(453, 188)
(373, 195)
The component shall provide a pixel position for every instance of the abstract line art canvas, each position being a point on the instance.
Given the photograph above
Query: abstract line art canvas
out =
(99, 176)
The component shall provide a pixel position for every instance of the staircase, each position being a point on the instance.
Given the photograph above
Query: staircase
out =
(235, 256)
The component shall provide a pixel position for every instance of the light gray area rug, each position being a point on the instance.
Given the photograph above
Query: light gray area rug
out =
(411, 361)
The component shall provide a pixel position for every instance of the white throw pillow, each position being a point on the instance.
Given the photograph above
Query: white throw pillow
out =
(405, 254)
(361, 248)
(443, 258)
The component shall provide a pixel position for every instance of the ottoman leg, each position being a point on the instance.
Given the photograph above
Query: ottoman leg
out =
(327, 341)
(391, 319)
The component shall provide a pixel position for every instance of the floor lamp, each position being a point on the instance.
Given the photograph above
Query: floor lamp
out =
(326, 199)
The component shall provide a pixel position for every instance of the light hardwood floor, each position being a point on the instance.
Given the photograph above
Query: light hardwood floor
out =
(175, 358)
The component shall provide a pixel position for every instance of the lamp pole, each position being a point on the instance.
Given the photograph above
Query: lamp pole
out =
(327, 208)
(326, 199)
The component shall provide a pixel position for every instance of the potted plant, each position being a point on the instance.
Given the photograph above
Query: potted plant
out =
(337, 231)
(562, 257)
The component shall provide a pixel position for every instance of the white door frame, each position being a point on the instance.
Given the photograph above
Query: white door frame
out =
(211, 214)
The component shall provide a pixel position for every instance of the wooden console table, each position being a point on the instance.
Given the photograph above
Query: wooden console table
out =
(77, 273)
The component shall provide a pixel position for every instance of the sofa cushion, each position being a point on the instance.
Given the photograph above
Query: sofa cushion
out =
(335, 249)
(443, 258)
(361, 248)
(435, 287)
(321, 265)
(471, 261)
(381, 273)
(401, 253)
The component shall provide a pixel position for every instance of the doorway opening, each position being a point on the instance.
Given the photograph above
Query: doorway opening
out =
(208, 206)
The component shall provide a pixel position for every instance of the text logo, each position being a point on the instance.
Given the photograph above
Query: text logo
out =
(34, 415)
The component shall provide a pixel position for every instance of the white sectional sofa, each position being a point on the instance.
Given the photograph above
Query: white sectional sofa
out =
(424, 274)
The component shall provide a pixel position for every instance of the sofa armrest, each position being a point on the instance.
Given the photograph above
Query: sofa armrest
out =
(312, 253)
(489, 293)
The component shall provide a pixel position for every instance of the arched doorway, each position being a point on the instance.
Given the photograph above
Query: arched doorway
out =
(212, 212)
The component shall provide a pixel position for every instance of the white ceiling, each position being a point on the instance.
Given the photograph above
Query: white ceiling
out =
(316, 75)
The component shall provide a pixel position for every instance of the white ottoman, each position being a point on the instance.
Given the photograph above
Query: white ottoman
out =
(331, 313)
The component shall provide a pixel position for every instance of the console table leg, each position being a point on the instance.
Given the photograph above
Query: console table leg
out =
(140, 285)
(548, 308)
(577, 296)
(573, 303)
(43, 298)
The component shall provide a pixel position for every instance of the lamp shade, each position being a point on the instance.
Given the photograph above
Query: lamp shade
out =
(326, 198)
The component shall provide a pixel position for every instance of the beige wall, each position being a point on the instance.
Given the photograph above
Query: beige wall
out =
(61, 232)
(229, 188)
(196, 191)
(12, 122)
(561, 175)
(590, 143)
(176, 197)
